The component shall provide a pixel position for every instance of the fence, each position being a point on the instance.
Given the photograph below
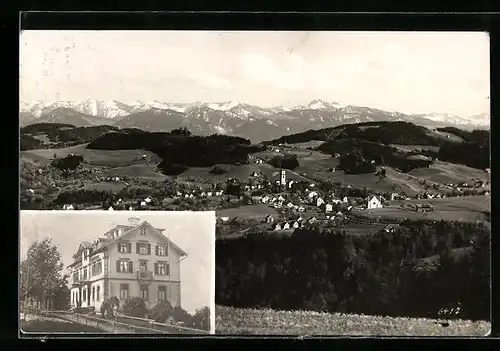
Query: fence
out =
(122, 324)
(169, 328)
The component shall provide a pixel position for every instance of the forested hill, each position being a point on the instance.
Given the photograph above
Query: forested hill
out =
(179, 148)
(470, 148)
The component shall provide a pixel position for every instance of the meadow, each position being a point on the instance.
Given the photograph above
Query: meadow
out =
(237, 321)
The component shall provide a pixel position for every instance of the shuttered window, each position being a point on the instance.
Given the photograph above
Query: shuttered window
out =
(143, 249)
(162, 268)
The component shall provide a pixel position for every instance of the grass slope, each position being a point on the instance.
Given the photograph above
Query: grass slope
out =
(109, 158)
(269, 322)
(465, 209)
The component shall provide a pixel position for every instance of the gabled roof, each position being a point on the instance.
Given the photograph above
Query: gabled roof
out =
(129, 230)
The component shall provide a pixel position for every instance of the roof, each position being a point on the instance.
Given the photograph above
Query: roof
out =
(129, 230)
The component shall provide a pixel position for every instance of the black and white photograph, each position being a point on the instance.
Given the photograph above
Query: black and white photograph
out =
(349, 171)
(95, 272)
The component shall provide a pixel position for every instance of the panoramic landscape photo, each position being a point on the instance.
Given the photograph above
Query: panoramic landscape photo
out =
(349, 171)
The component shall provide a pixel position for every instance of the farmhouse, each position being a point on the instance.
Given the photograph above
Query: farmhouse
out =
(374, 202)
(395, 196)
(277, 226)
(269, 219)
(68, 207)
(109, 266)
(423, 208)
(328, 208)
(391, 228)
(319, 201)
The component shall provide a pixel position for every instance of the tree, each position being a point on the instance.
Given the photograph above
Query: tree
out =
(135, 307)
(181, 131)
(68, 163)
(201, 319)
(41, 272)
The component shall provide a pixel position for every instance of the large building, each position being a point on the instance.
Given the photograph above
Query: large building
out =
(136, 259)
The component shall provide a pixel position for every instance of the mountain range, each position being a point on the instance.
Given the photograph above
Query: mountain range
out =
(233, 118)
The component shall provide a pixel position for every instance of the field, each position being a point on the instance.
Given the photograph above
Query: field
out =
(408, 148)
(466, 209)
(52, 325)
(445, 136)
(444, 172)
(269, 322)
(248, 212)
(108, 158)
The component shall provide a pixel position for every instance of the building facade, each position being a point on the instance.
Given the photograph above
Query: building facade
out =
(136, 259)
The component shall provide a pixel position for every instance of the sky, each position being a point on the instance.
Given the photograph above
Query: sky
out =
(194, 232)
(409, 72)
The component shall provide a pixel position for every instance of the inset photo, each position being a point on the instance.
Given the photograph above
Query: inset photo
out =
(94, 272)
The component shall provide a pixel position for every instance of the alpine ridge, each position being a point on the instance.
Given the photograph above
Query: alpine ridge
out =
(227, 117)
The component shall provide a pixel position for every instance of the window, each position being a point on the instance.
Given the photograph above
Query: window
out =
(98, 293)
(123, 291)
(162, 293)
(162, 268)
(99, 268)
(124, 247)
(142, 231)
(84, 273)
(161, 250)
(143, 248)
(144, 293)
(75, 277)
(93, 293)
(123, 266)
(143, 266)
(84, 295)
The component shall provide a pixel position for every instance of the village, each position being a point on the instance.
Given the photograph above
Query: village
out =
(273, 202)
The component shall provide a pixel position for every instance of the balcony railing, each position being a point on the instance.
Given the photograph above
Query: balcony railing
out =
(145, 275)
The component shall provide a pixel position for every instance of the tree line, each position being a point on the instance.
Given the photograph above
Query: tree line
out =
(414, 272)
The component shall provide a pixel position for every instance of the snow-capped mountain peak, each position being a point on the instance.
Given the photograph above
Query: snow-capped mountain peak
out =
(223, 106)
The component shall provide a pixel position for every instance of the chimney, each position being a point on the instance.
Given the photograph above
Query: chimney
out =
(133, 221)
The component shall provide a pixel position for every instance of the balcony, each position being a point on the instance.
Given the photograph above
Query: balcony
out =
(145, 276)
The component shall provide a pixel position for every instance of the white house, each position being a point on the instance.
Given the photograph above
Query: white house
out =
(395, 196)
(68, 207)
(269, 219)
(281, 198)
(277, 226)
(147, 200)
(265, 199)
(312, 194)
(290, 205)
(110, 208)
(286, 225)
(328, 208)
(301, 209)
(209, 194)
(374, 202)
(319, 201)
(143, 203)
(136, 259)
(345, 200)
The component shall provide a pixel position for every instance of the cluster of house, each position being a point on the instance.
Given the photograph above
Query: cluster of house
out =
(256, 160)
(300, 222)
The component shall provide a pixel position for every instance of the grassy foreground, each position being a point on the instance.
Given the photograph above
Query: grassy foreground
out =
(38, 324)
(237, 321)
